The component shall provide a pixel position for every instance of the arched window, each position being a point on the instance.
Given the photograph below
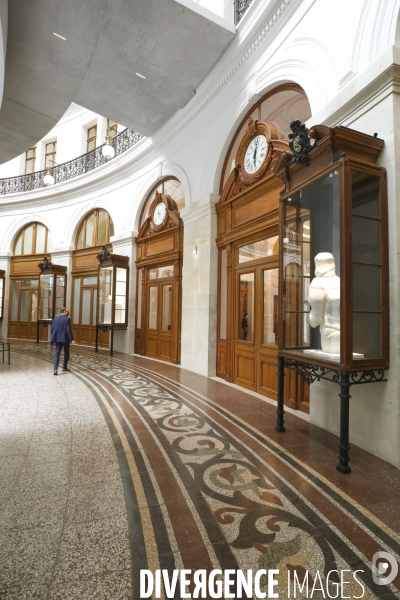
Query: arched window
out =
(96, 229)
(170, 186)
(33, 239)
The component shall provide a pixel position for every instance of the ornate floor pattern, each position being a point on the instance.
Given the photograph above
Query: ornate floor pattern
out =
(159, 469)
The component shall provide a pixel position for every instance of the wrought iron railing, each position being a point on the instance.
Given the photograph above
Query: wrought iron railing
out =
(68, 170)
(241, 7)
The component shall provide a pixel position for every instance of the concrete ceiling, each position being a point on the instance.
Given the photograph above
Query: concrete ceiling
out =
(173, 43)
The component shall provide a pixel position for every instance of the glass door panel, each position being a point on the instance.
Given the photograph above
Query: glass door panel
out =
(166, 307)
(153, 301)
(270, 307)
(246, 307)
(86, 297)
(24, 305)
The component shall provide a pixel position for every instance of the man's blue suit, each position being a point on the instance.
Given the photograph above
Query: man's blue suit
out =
(61, 335)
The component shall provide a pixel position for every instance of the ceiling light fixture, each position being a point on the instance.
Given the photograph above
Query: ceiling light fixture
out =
(108, 150)
(60, 36)
(139, 75)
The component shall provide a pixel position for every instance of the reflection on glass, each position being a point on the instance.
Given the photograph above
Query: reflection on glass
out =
(166, 307)
(34, 306)
(270, 305)
(18, 246)
(161, 272)
(367, 266)
(89, 241)
(60, 293)
(256, 250)
(120, 294)
(14, 300)
(246, 307)
(102, 228)
(311, 227)
(30, 283)
(46, 296)
(90, 280)
(86, 307)
(153, 293)
(77, 295)
(223, 297)
(23, 315)
(105, 298)
(139, 300)
(40, 238)
(28, 234)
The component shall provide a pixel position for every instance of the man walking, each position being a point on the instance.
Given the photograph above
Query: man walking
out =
(61, 335)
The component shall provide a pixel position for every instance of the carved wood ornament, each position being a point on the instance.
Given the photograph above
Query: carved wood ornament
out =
(239, 180)
(170, 220)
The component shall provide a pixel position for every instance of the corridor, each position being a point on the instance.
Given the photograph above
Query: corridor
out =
(127, 464)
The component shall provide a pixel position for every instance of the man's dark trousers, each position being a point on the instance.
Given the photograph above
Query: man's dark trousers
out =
(59, 347)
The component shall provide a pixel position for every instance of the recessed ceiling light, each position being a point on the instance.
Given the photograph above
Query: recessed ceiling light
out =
(139, 75)
(58, 35)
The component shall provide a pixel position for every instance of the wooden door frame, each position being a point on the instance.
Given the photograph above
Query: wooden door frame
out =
(160, 246)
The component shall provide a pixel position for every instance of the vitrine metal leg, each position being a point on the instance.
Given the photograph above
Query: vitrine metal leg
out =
(96, 349)
(344, 447)
(37, 332)
(281, 389)
(112, 342)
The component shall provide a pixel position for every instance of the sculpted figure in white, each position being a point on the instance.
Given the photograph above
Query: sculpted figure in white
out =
(324, 299)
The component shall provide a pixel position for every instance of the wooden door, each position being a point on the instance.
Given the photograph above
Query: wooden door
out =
(256, 349)
(84, 308)
(24, 310)
(159, 319)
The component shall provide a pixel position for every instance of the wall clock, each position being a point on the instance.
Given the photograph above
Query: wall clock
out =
(255, 154)
(159, 214)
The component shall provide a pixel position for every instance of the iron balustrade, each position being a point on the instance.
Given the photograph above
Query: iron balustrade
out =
(241, 7)
(73, 168)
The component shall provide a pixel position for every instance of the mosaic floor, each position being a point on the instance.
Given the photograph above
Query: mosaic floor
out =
(127, 464)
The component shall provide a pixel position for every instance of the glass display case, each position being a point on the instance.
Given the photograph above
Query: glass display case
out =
(2, 292)
(334, 266)
(334, 269)
(52, 292)
(112, 293)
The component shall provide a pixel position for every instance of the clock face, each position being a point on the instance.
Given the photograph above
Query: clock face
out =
(255, 154)
(159, 213)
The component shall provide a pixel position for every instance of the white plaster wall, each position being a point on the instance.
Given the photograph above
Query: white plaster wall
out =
(278, 41)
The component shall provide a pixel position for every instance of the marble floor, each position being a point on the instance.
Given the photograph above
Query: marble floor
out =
(126, 464)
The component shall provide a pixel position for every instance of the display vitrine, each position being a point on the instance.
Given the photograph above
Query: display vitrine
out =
(112, 294)
(2, 288)
(334, 289)
(52, 292)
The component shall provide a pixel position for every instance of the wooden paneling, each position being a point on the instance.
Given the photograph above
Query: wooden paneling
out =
(245, 370)
(158, 248)
(26, 265)
(249, 212)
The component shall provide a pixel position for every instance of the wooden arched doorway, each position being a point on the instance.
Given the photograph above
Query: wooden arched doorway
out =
(248, 276)
(159, 276)
(31, 244)
(94, 231)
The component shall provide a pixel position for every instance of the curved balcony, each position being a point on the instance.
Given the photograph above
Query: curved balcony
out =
(73, 168)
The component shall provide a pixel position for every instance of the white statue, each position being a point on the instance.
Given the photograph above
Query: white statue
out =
(324, 299)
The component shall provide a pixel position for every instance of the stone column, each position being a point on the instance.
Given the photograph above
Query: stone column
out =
(63, 256)
(124, 244)
(199, 287)
(5, 264)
